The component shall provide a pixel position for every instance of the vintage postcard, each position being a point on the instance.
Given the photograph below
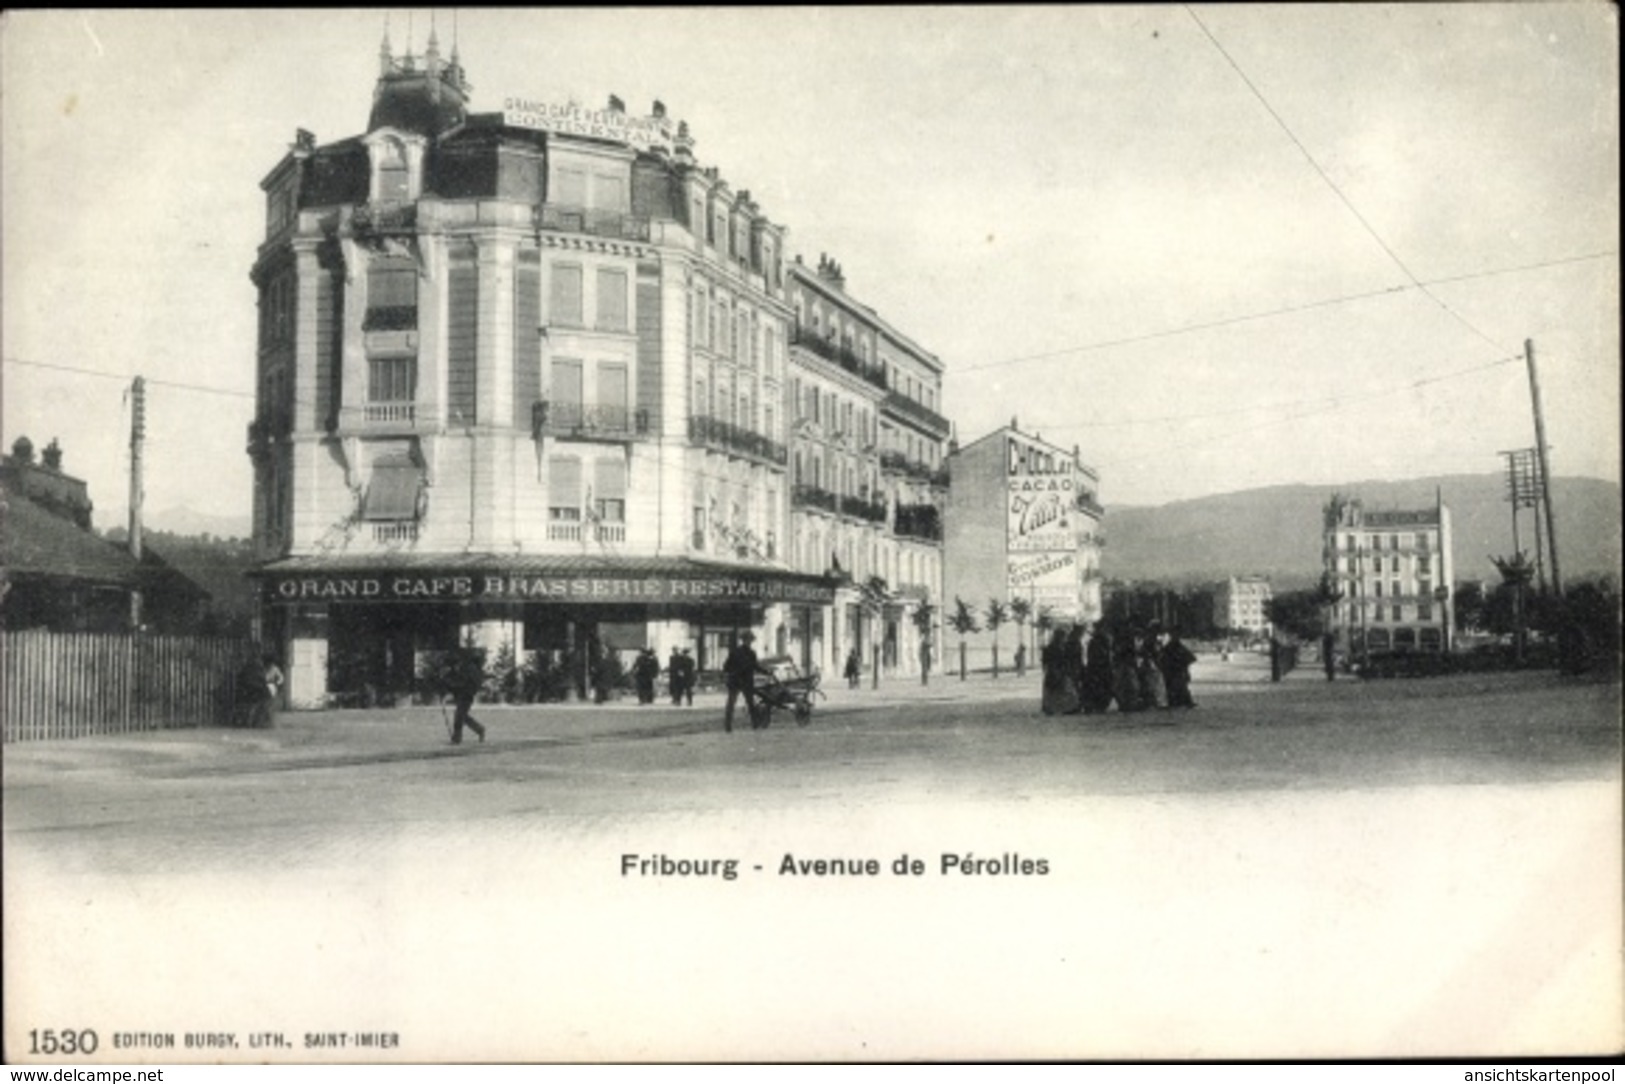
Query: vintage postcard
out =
(811, 534)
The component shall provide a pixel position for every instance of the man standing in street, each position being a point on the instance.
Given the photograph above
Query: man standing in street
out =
(465, 676)
(740, 669)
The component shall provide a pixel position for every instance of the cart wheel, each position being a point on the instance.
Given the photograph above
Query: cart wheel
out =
(803, 714)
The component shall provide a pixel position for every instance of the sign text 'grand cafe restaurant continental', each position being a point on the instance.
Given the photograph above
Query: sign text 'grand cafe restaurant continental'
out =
(522, 379)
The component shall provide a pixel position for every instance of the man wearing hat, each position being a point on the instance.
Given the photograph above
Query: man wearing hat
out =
(740, 669)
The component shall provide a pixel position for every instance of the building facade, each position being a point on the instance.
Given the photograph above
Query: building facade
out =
(1393, 571)
(868, 476)
(1023, 521)
(524, 380)
(1240, 604)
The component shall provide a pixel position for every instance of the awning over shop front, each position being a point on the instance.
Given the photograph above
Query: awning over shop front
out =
(584, 580)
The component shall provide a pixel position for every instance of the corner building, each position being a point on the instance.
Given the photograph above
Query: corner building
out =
(1394, 570)
(523, 378)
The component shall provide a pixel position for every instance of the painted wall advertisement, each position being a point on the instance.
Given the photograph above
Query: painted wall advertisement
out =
(1046, 579)
(1042, 495)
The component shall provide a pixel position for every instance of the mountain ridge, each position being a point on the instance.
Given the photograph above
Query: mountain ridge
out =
(1276, 530)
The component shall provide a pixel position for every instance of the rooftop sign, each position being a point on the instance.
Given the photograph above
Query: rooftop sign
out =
(568, 118)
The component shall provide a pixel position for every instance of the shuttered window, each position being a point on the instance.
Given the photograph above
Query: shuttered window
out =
(609, 490)
(570, 187)
(564, 301)
(564, 488)
(612, 386)
(392, 294)
(611, 300)
(392, 491)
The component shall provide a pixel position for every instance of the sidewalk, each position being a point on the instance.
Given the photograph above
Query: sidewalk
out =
(308, 739)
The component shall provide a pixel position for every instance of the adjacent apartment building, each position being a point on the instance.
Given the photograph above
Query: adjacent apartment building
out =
(533, 377)
(1393, 570)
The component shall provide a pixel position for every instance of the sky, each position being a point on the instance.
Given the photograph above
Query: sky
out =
(1215, 248)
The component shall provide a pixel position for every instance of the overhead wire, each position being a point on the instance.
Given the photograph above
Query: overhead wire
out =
(1338, 191)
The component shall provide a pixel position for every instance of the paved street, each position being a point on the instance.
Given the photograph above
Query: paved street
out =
(1302, 868)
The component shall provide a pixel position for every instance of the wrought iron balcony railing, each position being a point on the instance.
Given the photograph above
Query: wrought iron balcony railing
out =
(860, 508)
(588, 421)
(918, 521)
(727, 437)
(805, 496)
(840, 355)
(903, 406)
(554, 216)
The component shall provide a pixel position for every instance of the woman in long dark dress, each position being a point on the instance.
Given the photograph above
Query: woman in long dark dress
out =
(1126, 672)
(1060, 694)
(1097, 672)
(1176, 670)
(1072, 656)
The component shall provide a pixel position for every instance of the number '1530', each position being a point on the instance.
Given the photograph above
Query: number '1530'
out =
(63, 1042)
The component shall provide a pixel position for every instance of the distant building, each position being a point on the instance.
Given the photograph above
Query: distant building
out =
(56, 573)
(1241, 603)
(1393, 570)
(1023, 521)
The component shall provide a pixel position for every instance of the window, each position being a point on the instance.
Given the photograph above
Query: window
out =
(1424, 611)
(1376, 564)
(392, 294)
(1424, 565)
(609, 490)
(697, 541)
(564, 489)
(392, 174)
(566, 382)
(611, 299)
(612, 387)
(769, 423)
(392, 380)
(392, 491)
(1394, 590)
(702, 399)
(1376, 543)
(564, 303)
(570, 187)
(1378, 590)
(608, 192)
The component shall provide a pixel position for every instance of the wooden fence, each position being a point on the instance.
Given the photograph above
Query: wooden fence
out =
(72, 685)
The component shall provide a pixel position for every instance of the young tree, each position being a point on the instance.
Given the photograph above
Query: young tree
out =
(997, 614)
(963, 622)
(925, 618)
(1021, 611)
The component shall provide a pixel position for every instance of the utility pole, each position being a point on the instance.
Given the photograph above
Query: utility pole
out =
(138, 435)
(1545, 467)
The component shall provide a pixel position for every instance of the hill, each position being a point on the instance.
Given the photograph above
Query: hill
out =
(1276, 531)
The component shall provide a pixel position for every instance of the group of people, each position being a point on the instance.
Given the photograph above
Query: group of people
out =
(681, 675)
(1139, 669)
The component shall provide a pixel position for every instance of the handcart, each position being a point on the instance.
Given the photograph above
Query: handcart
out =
(781, 685)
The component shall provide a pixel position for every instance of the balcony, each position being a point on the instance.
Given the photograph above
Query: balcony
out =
(718, 435)
(588, 421)
(268, 426)
(372, 223)
(389, 413)
(921, 415)
(395, 531)
(921, 521)
(839, 355)
(804, 496)
(553, 216)
(859, 508)
(1088, 505)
